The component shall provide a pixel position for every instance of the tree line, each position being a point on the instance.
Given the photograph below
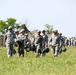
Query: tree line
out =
(12, 22)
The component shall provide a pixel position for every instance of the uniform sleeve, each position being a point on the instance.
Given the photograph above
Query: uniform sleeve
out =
(5, 37)
(50, 39)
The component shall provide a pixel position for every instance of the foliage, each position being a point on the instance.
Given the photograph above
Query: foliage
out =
(48, 28)
(64, 64)
(2, 25)
(9, 22)
(17, 25)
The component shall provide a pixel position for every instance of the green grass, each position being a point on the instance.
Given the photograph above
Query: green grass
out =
(64, 64)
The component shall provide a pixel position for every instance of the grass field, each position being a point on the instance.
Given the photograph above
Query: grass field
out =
(64, 64)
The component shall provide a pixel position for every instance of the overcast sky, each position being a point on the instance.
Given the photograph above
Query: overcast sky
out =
(59, 13)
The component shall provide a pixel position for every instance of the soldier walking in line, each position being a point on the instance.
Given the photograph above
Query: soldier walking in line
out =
(61, 42)
(27, 43)
(45, 39)
(45, 43)
(9, 41)
(38, 42)
(21, 38)
(54, 42)
(16, 38)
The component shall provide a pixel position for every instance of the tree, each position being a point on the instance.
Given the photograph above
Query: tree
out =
(17, 26)
(2, 26)
(48, 28)
(12, 22)
(9, 22)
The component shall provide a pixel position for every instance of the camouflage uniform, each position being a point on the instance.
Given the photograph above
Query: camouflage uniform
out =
(45, 39)
(9, 41)
(45, 43)
(38, 42)
(61, 42)
(54, 41)
(21, 38)
(27, 43)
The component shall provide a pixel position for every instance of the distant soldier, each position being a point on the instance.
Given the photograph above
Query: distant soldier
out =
(69, 42)
(74, 41)
(54, 41)
(38, 42)
(21, 38)
(9, 41)
(61, 42)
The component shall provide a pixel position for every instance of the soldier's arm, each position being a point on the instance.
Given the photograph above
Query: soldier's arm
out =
(5, 37)
(33, 39)
(50, 39)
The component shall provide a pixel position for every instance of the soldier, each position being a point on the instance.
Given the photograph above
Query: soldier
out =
(74, 41)
(16, 38)
(44, 43)
(61, 42)
(45, 39)
(9, 41)
(16, 35)
(27, 43)
(38, 42)
(54, 42)
(21, 38)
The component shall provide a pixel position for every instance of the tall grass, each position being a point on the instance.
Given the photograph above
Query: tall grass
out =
(64, 64)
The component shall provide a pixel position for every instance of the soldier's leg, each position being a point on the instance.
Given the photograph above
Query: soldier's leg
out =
(19, 51)
(60, 50)
(11, 49)
(22, 51)
(38, 51)
(8, 50)
(53, 49)
(46, 46)
(43, 52)
(56, 51)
